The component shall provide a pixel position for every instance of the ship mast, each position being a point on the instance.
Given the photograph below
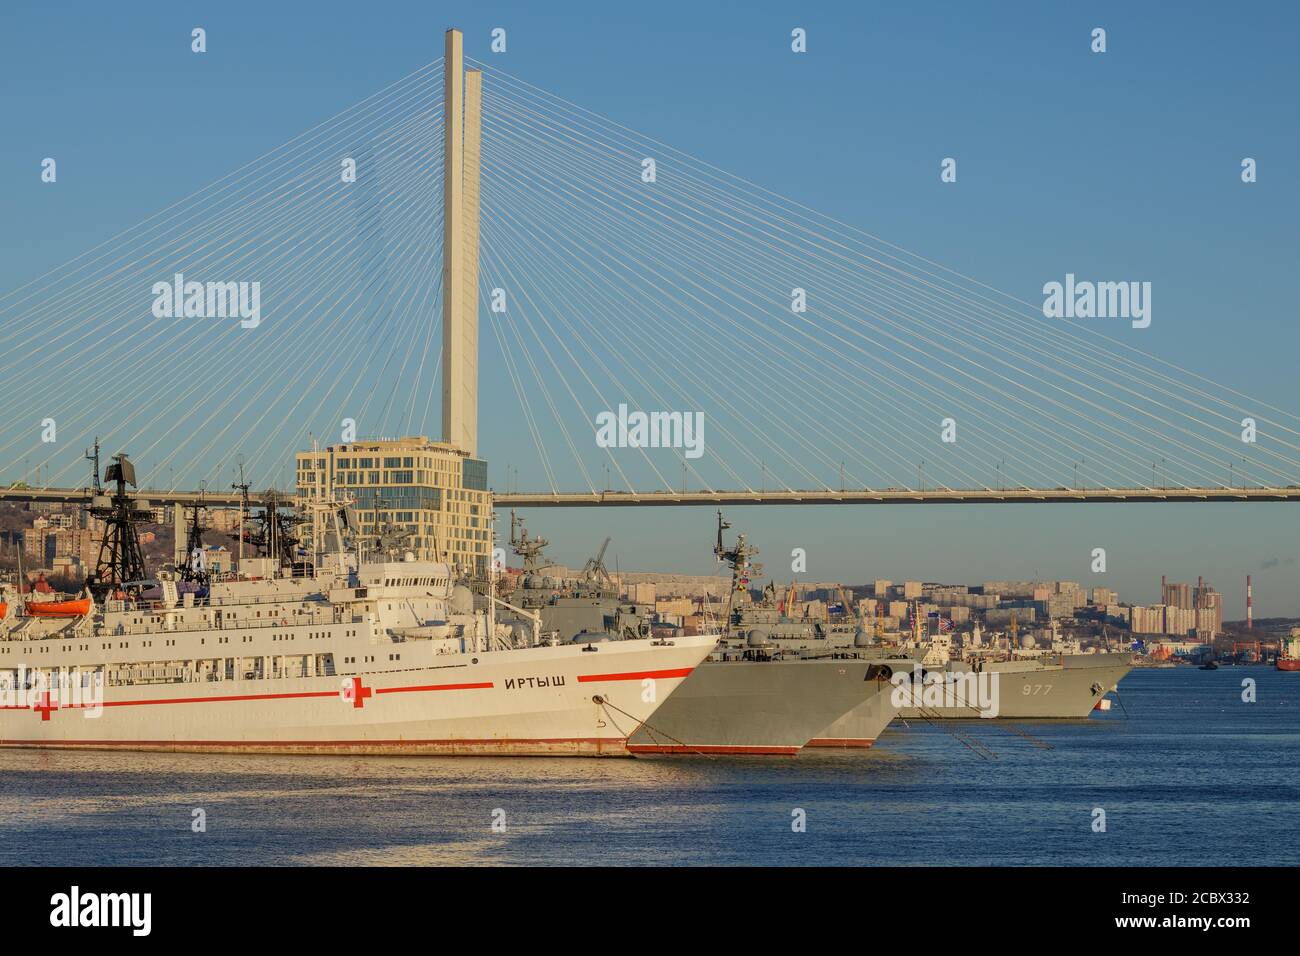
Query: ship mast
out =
(195, 568)
(94, 474)
(121, 560)
(530, 549)
(242, 487)
(275, 539)
(739, 559)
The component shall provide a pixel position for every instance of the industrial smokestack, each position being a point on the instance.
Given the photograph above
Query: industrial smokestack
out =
(1250, 605)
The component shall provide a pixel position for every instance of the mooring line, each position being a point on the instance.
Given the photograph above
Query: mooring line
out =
(605, 702)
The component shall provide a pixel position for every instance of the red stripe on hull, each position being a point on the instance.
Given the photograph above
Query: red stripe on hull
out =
(757, 750)
(859, 742)
(244, 697)
(541, 747)
(404, 690)
(637, 675)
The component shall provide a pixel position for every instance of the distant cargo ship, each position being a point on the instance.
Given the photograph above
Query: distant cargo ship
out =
(1288, 659)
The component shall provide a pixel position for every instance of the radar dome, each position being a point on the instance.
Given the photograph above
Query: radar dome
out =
(462, 600)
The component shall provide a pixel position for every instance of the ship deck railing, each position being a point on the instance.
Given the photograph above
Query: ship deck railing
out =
(225, 625)
(244, 624)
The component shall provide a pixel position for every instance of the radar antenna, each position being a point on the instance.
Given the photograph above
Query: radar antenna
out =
(389, 537)
(121, 560)
(530, 549)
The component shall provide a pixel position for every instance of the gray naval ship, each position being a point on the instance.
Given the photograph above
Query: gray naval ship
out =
(784, 681)
(1062, 687)
(586, 609)
(1054, 687)
(1068, 688)
(771, 684)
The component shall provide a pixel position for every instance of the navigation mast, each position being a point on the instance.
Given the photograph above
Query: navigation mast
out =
(121, 560)
(195, 567)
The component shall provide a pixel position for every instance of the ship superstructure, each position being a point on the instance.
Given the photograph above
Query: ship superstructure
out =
(588, 608)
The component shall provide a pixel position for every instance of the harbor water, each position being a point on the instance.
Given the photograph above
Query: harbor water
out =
(1184, 770)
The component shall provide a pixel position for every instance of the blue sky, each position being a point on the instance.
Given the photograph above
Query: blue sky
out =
(1120, 164)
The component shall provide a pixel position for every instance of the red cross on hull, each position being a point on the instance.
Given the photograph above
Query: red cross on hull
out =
(43, 706)
(356, 692)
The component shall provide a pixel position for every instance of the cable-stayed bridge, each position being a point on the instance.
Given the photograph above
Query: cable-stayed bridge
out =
(793, 357)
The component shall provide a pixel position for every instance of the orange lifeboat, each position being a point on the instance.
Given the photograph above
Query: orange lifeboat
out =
(78, 608)
(4, 609)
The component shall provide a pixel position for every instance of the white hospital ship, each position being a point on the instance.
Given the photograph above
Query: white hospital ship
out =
(354, 656)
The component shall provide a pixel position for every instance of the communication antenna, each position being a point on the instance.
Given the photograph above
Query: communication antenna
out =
(242, 487)
(94, 472)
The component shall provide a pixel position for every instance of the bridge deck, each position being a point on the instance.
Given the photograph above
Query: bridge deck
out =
(866, 496)
(893, 496)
